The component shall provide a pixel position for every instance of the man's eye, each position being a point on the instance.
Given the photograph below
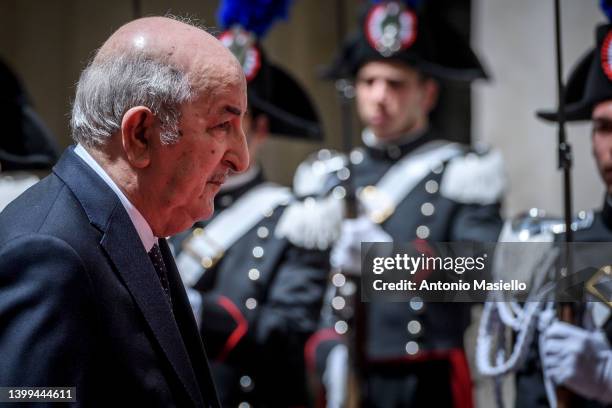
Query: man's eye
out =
(396, 84)
(223, 126)
(601, 126)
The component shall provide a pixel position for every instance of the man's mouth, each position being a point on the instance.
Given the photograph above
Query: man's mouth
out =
(218, 179)
(378, 119)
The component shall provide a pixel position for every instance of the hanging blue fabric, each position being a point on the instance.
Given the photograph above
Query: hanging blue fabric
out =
(606, 7)
(253, 15)
(413, 4)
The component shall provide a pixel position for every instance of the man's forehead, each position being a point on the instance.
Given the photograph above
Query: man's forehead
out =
(224, 100)
(387, 69)
(603, 111)
(212, 73)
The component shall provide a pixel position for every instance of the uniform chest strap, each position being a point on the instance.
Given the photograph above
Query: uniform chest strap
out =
(206, 246)
(381, 200)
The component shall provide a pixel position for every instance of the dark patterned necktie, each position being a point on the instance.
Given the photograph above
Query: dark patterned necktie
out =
(160, 267)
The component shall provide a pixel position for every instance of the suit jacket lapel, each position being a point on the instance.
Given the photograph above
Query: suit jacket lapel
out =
(138, 273)
(122, 244)
(189, 328)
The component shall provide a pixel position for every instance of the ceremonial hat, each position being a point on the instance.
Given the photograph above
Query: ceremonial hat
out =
(412, 33)
(271, 89)
(590, 81)
(25, 143)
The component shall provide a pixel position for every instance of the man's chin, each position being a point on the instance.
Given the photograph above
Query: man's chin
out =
(208, 208)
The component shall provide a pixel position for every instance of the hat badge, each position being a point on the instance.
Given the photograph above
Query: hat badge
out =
(390, 27)
(606, 55)
(242, 44)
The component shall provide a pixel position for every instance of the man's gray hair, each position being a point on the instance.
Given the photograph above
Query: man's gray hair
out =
(109, 88)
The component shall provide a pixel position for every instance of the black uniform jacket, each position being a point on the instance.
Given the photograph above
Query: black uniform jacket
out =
(429, 336)
(529, 381)
(260, 302)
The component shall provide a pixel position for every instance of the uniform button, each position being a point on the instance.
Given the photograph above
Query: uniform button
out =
(427, 209)
(416, 304)
(431, 186)
(412, 347)
(198, 231)
(422, 232)
(356, 156)
(394, 152)
(341, 327)
(268, 213)
(250, 303)
(437, 168)
(338, 280)
(348, 289)
(343, 174)
(414, 327)
(263, 232)
(253, 274)
(324, 154)
(244, 405)
(258, 252)
(338, 303)
(226, 201)
(206, 262)
(339, 192)
(246, 383)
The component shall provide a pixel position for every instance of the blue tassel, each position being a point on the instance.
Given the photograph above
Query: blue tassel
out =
(606, 7)
(253, 15)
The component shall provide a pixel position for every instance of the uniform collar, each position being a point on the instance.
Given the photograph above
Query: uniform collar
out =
(398, 148)
(237, 185)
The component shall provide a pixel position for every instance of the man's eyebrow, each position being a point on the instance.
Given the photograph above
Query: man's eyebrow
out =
(233, 110)
(601, 121)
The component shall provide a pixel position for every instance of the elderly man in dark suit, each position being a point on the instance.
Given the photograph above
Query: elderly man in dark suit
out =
(89, 294)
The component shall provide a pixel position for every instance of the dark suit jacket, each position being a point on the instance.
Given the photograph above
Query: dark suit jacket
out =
(81, 304)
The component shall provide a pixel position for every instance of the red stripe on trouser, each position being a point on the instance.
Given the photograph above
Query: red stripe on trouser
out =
(459, 375)
(460, 379)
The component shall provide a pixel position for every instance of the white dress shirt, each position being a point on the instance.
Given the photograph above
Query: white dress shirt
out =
(142, 226)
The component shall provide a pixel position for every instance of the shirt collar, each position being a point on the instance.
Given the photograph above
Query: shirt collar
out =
(140, 223)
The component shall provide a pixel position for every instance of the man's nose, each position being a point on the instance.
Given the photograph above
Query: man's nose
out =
(237, 156)
(379, 91)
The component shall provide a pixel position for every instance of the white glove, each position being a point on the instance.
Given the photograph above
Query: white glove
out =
(578, 359)
(346, 253)
(335, 376)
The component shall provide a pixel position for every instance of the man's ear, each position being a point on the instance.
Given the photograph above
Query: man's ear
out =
(137, 135)
(261, 128)
(432, 91)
